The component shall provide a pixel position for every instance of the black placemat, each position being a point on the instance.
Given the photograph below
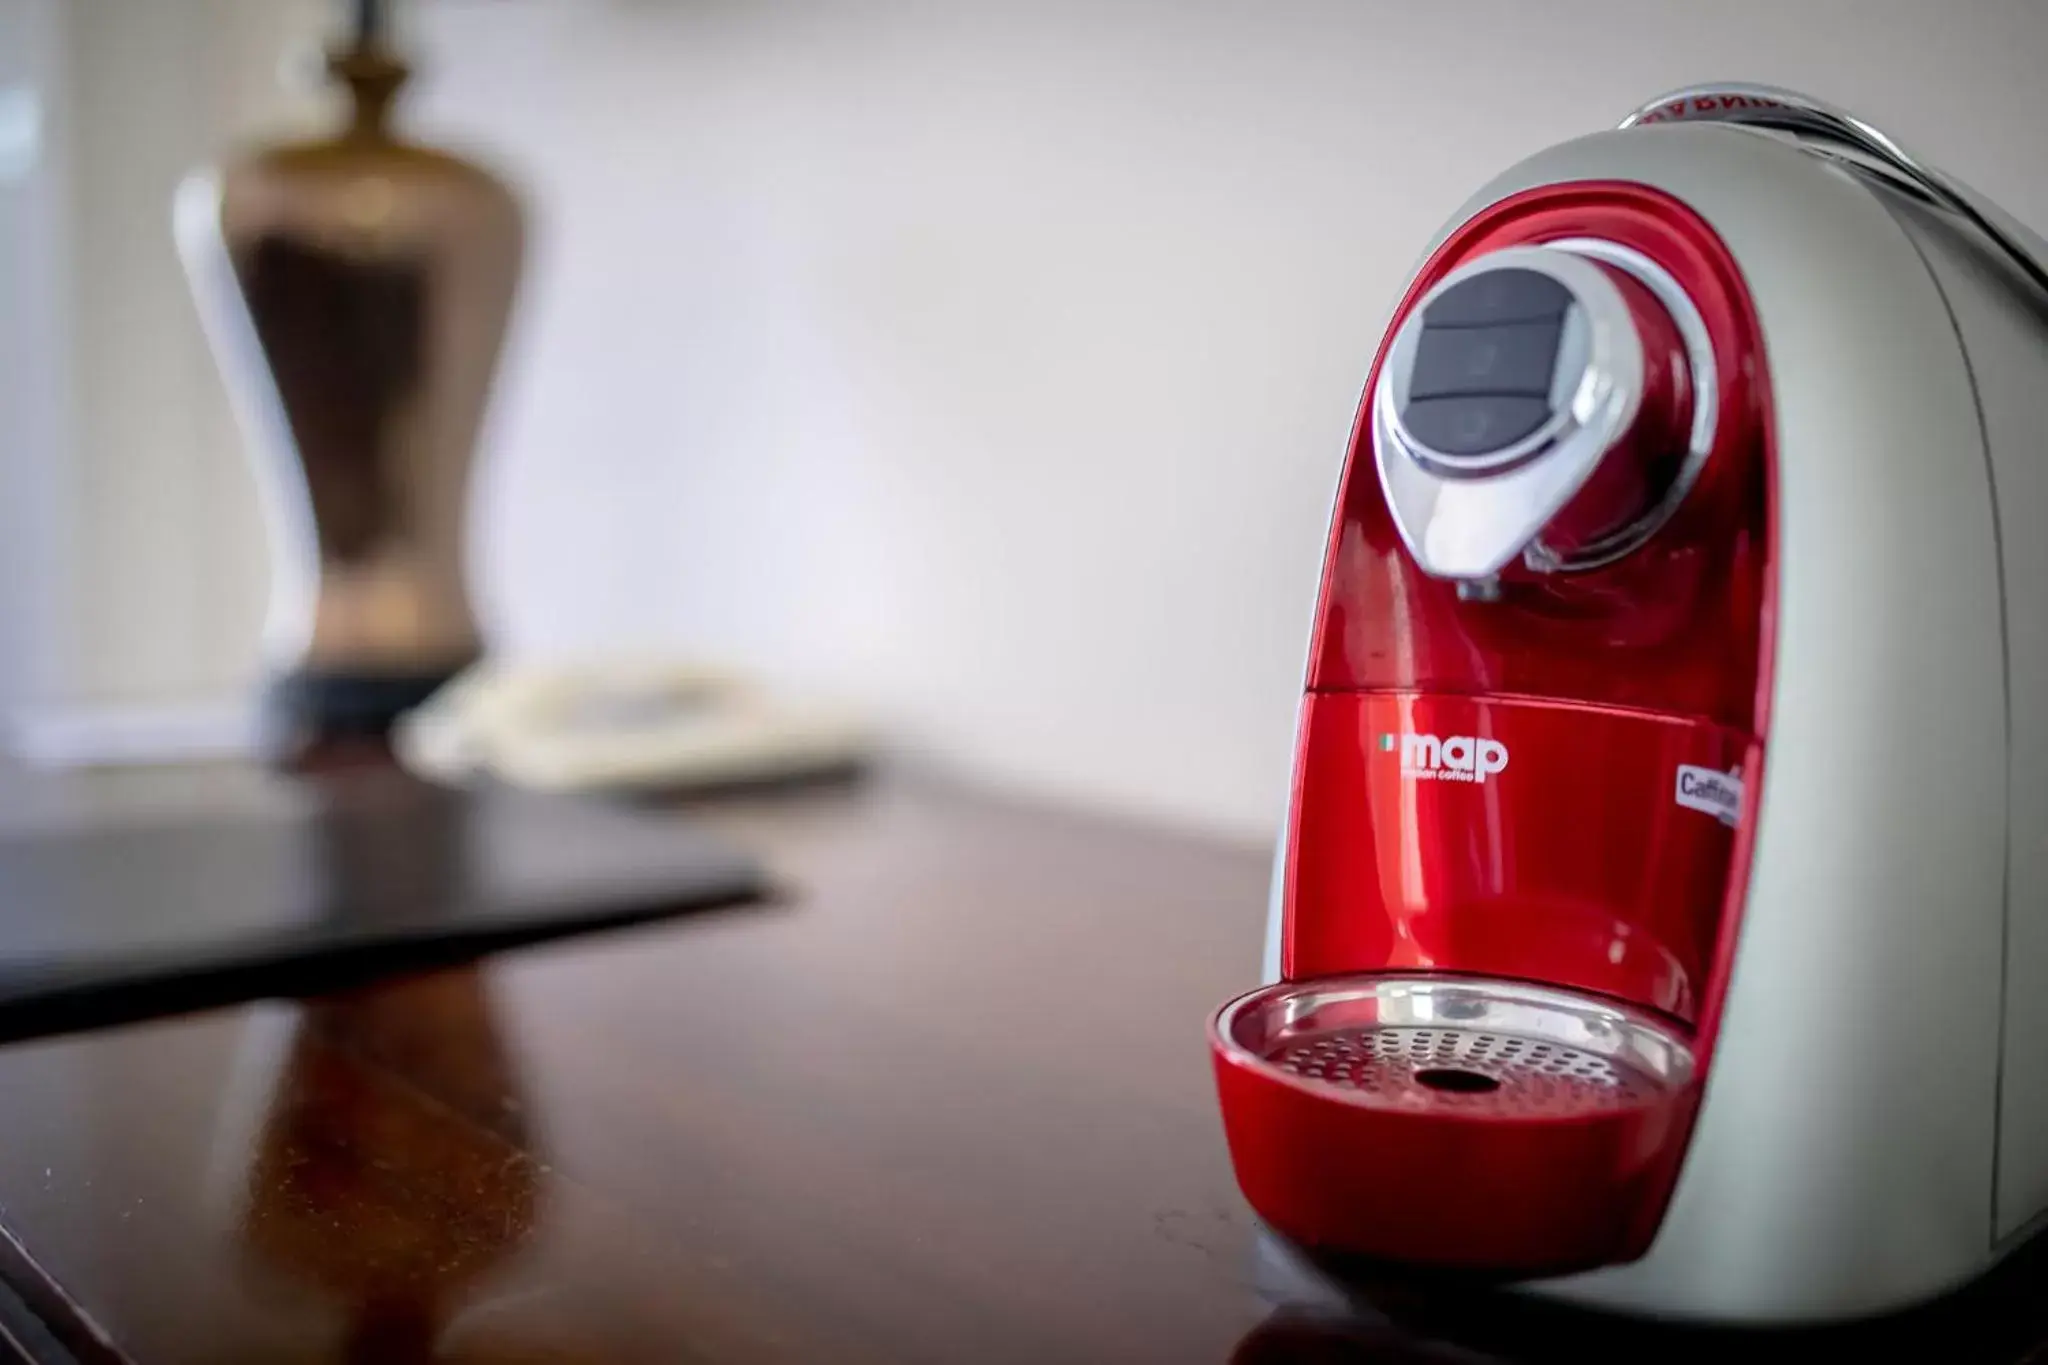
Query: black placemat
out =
(111, 913)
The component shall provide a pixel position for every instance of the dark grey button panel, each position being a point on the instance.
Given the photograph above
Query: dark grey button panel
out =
(1516, 360)
(1497, 296)
(1484, 362)
(1473, 424)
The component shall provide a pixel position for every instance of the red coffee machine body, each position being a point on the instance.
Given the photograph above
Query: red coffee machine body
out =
(1514, 863)
(1625, 943)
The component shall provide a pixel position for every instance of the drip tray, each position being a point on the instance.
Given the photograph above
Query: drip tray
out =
(1459, 1121)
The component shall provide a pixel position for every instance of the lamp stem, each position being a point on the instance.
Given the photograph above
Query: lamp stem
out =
(369, 25)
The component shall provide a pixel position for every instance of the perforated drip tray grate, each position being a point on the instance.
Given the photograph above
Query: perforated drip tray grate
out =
(1494, 1072)
(1494, 1049)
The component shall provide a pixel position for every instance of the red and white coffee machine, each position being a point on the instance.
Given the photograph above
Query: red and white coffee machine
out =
(1661, 916)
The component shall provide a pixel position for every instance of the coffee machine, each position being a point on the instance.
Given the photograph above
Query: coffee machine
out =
(1660, 919)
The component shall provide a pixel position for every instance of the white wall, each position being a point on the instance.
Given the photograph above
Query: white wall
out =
(135, 563)
(993, 361)
(168, 556)
(34, 373)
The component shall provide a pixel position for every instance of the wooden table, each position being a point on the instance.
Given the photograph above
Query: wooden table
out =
(948, 1103)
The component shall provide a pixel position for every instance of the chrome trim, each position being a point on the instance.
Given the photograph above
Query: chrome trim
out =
(1706, 407)
(1788, 111)
(1256, 1026)
(1468, 518)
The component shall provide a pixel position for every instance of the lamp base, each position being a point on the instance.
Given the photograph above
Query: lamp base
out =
(310, 710)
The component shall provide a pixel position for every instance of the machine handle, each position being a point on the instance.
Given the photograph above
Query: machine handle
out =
(1766, 106)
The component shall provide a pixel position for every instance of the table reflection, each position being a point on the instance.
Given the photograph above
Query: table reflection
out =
(390, 1167)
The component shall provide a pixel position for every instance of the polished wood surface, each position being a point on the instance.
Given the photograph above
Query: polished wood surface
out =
(950, 1103)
